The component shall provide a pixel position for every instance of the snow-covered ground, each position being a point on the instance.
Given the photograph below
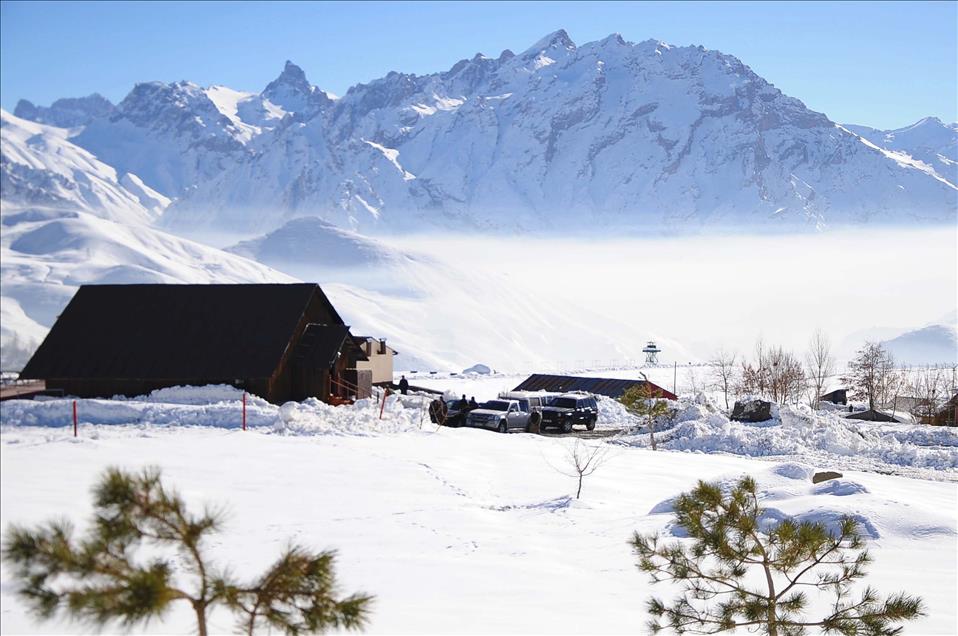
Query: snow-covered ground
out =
(453, 530)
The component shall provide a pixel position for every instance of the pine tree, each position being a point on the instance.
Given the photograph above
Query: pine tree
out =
(642, 401)
(125, 570)
(729, 546)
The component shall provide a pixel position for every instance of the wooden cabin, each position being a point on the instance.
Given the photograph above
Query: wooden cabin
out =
(280, 342)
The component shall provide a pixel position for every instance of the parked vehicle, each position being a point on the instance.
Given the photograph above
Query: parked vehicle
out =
(448, 412)
(502, 415)
(569, 409)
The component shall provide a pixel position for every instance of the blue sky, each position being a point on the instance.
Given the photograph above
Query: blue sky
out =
(879, 64)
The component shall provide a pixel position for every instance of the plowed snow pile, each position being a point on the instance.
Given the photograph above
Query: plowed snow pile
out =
(220, 406)
(795, 432)
(798, 432)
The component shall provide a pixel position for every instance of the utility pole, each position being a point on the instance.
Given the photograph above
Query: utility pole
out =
(675, 376)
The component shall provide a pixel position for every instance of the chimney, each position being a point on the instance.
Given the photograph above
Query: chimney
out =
(382, 346)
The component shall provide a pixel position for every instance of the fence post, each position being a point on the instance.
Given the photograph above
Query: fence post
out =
(74, 418)
(244, 410)
(383, 407)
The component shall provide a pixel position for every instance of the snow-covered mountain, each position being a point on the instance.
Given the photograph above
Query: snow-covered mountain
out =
(313, 243)
(39, 165)
(610, 134)
(45, 254)
(929, 140)
(933, 344)
(68, 112)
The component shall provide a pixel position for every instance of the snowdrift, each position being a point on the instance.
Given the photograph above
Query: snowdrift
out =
(220, 406)
(797, 431)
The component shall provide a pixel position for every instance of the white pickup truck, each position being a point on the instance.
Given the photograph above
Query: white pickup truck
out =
(504, 414)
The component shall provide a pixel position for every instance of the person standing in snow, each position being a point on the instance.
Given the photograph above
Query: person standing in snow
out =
(403, 385)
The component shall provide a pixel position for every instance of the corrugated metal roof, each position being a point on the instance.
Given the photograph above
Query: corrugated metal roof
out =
(175, 331)
(611, 387)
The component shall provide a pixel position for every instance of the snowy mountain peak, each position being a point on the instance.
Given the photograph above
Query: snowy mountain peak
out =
(293, 77)
(553, 41)
(68, 112)
(929, 140)
(293, 92)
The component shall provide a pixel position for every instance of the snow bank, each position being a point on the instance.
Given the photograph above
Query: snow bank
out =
(786, 491)
(797, 431)
(220, 406)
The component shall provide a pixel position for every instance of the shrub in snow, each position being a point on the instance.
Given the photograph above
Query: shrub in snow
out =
(734, 542)
(100, 580)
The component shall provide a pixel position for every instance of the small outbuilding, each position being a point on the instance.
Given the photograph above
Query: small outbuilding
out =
(379, 358)
(871, 415)
(610, 387)
(280, 342)
(838, 396)
(946, 416)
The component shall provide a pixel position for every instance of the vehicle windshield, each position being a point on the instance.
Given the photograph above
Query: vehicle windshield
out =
(496, 405)
(564, 403)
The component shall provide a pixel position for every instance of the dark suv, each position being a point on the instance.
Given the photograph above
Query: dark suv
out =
(569, 409)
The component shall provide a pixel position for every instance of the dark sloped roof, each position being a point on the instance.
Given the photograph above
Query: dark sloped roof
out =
(872, 416)
(214, 332)
(611, 387)
(321, 343)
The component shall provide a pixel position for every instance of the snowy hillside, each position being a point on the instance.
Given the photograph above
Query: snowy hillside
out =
(612, 133)
(310, 242)
(46, 254)
(447, 312)
(934, 344)
(930, 141)
(40, 166)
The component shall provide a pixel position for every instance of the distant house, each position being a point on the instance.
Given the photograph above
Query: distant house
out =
(838, 396)
(610, 387)
(872, 415)
(379, 358)
(946, 416)
(281, 342)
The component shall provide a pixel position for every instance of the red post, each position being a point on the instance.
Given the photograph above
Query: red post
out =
(244, 410)
(383, 407)
(74, 418)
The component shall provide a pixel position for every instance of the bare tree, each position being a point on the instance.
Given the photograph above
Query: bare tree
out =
(723, 372)
(869, 373)
(582, 460)
(775, 374)
(819, 365)
(931, 388)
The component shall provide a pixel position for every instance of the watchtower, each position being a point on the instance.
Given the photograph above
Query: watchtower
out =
(651, 354)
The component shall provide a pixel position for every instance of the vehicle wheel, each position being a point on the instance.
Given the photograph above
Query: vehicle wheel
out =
(502, 427)
(567, 426)
(591, 425)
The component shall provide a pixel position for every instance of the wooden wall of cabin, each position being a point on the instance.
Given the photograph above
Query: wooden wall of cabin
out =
(284, 384)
